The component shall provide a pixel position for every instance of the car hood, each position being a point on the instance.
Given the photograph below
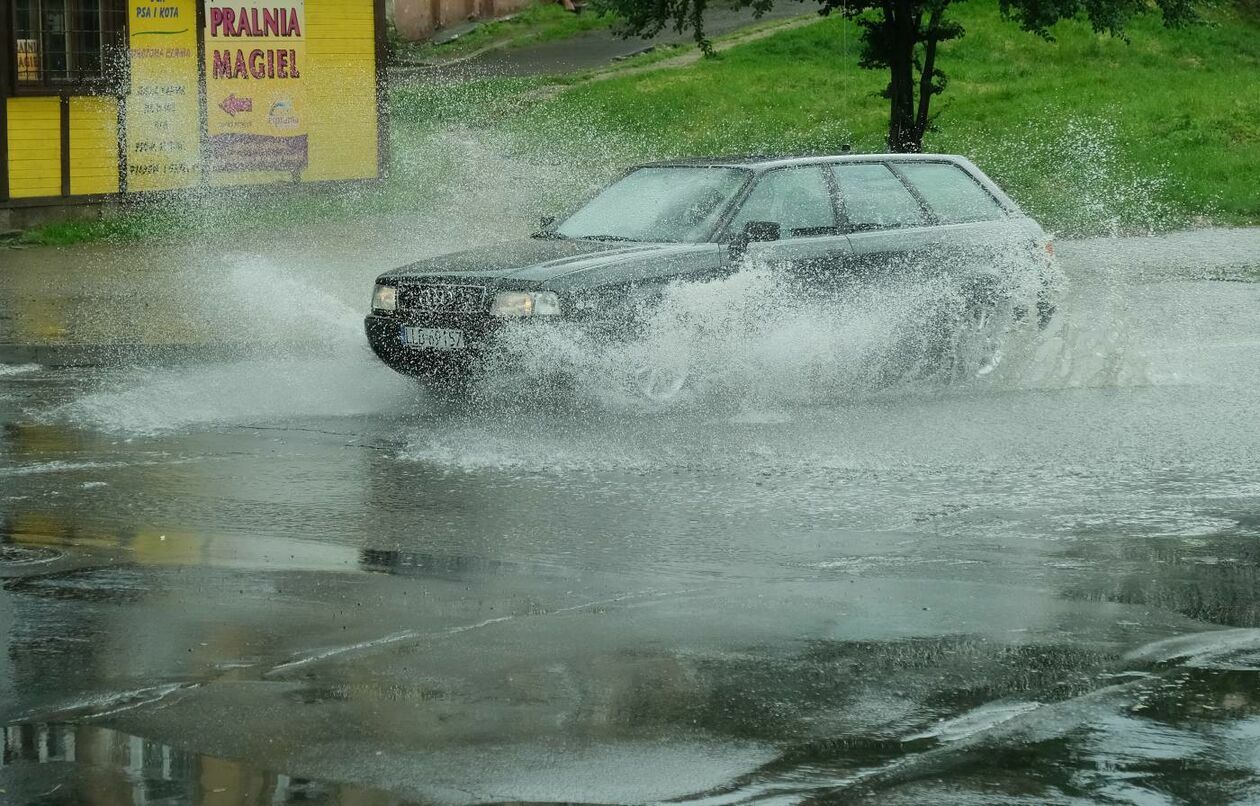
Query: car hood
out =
(562, 264)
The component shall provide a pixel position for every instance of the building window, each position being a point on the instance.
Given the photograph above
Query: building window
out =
(63, 43)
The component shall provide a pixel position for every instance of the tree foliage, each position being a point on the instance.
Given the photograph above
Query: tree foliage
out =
(904, 38)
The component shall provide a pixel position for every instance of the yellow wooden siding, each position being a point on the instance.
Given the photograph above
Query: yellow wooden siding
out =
(93, 146)
(337, 102)
(340, 80)
(34, 147)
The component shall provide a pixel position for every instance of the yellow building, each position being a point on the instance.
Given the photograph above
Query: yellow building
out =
(107, 98)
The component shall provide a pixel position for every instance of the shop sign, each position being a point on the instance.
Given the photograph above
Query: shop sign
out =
(27, 60)
(163, 129)
(255, 51)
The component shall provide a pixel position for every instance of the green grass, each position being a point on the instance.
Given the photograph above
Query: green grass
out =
(1091, 133)
(64, 233)
(540, 22)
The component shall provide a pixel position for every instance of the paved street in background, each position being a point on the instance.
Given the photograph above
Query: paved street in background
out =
(593, 49)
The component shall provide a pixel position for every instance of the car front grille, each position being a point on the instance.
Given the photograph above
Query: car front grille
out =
(442, 298)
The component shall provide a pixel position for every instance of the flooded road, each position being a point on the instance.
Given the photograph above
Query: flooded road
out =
(284, 575)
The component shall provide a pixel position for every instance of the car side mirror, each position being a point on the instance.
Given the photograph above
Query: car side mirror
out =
(754, 232)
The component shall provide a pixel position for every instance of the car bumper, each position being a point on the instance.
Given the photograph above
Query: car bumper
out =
(384, 334)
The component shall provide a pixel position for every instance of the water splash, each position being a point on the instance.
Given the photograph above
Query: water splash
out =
(255, 391)
(760, 338)
(1073, 174)
(294, 324)
(297, 350)
(18, 369)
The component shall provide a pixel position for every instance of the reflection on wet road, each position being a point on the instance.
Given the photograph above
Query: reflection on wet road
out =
(288, 577)
(113, 767)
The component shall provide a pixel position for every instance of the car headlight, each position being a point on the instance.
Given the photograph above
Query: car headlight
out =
(517, 304)
(384, 298)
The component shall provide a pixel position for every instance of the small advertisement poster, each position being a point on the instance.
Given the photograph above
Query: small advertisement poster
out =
(255, 52)
(27, 60)
(163, 142)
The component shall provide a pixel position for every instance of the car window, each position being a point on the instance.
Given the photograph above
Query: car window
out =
(950, 192)
(658, 204)
(874, 197)
(797, 199)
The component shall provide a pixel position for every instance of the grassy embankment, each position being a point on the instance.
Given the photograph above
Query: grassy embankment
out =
(1092, 134)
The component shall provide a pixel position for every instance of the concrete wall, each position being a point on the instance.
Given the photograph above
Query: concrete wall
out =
(418, 19)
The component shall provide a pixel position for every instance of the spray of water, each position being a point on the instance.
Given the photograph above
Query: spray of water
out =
(287, 323)
(293, 318)
(764, 336)
(1075, 171)
(291, 349)
(17, 369)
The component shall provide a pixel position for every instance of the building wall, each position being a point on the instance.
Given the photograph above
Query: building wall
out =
(341, 91)
(163, 120)
(334, 100)
(34, 152)
(93, 145)
(333, 105)
(34, 147)
(418, 19)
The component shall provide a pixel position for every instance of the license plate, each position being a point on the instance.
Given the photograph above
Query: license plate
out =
(433, 338)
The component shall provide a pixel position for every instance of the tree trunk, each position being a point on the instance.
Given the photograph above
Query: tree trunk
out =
(902, 31)
(928, 71)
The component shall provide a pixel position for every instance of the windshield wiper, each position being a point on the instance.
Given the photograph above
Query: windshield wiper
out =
(549, 235)
(607, 238)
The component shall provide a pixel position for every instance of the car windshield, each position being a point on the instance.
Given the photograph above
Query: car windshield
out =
(679, 204)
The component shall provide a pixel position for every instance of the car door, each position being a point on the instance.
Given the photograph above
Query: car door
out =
(972, 229)
(801, 200)
(890, 230)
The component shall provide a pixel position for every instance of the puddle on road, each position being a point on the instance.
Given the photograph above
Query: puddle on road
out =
(1185, 734)
(1040, 724)
(999, 483)
(62, 763)
(1041, 476)
(17, 556)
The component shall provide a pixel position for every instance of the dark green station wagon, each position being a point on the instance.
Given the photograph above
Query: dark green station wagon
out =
(823, 221)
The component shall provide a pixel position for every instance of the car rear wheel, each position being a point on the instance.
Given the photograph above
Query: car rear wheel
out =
(979, 338)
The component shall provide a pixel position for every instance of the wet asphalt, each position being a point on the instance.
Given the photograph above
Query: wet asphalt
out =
(276, 573)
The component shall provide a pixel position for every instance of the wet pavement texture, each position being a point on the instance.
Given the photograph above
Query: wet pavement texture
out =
(282, 574)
